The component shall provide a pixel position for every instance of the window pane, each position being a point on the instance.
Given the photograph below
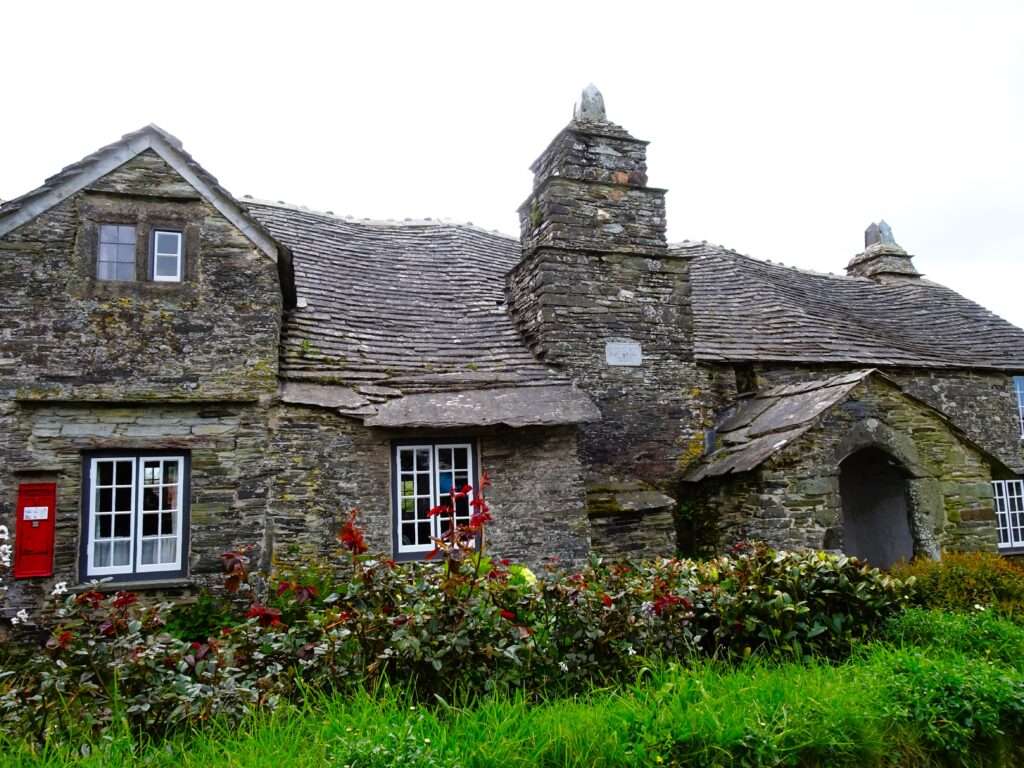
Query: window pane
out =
(124, 472)
(123, 500)
(108, 252)
(126, 234)
(423, 460)
(101, 554)
(167, 266)
(103, 526)
(170, 497)
(406, 460)
(422, 508)
(108, 233)
(444, 458)
(423, 530)
(408, 534)
(125, 254)
(408, 489)
(122, 525)
(167, 523)
(151, 472)
(105, 500)
(461, 458)
(444, 484)
(121, 553)
(168, 550)
(166, 242)
(150, 500)
(408, 509)
(149, 525)
(124, 272)
(104, 473)
(106, 270)
(170, 472)
(149, 551)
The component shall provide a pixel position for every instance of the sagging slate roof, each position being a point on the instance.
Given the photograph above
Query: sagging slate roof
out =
(392, 310)
(758, 426)
(750, 310)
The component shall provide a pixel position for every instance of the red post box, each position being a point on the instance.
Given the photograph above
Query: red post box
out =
(34, 529)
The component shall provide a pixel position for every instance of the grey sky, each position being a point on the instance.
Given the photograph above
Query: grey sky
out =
(780, 129)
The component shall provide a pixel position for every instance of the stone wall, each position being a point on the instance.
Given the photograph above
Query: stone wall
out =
(66, 335)
(328, 464)
(227, 445)
(793, 499)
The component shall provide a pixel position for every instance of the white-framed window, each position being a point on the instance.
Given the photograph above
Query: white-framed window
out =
(136, 515)
(424, 475)
(1018, 384)
(1008, 499)
(167, 256)
(115, 260)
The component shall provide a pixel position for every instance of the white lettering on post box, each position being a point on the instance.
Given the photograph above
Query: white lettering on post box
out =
(37, 513)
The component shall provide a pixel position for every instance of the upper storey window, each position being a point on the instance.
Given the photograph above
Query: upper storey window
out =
(1018, 382)
(117, 256)
(116, 259)
(167, 256)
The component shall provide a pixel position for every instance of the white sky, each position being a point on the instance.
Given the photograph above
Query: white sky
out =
(780, 129)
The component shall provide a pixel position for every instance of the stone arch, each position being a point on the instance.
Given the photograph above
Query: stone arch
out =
(876, 505)
(924, 504)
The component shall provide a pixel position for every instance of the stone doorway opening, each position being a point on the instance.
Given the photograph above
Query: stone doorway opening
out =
(876, 513)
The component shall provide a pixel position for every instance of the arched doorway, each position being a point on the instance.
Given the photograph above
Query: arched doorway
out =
(876, 515)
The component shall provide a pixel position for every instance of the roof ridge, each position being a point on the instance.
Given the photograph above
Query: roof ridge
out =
(406, 222)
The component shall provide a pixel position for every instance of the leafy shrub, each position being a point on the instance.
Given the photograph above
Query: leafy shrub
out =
(200, 619)
(964, 581)
(982, 634)
(464, 623)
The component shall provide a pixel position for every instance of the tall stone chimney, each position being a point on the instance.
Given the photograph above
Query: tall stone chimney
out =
(882, 259)
(598, 294)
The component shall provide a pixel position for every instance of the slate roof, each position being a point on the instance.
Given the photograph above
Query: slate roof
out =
(750, 310)
(393, 309)
(757, 427)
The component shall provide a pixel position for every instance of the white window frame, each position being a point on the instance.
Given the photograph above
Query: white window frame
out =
(178, 521)
(1008, 502)
(1018, 384)
(134, 565)
(433, 450)
(177, 254)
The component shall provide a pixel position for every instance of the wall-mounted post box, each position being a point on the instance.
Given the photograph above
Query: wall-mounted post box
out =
(34, 530)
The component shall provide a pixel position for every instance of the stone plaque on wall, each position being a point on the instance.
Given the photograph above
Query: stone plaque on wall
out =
(623, 352)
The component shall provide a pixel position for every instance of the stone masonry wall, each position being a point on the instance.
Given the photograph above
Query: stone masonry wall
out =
(793, 499)
(328, 464)
(227, 445)
(66, 335)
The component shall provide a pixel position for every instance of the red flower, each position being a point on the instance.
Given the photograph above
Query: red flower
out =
(283, 587)
(508, 615)
(668, 602)
(440, 509)
(606, 600)
(268, 617)
(479, 519)
(124, 599)
(351, 536)
(61, 641)
(92, 598)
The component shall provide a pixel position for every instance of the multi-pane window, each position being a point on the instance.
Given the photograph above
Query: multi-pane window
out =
(424, 477)
(135, 515)
(1008, 497)
(1018, 384)
(167, 256)
(116, 257)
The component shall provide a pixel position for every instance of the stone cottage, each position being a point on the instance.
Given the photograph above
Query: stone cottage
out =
(184, 372)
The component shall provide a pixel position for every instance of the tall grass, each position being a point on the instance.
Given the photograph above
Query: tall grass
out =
(940, 692)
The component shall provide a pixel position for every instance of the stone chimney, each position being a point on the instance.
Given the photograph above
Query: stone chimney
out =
(883, 259)
(598, 295)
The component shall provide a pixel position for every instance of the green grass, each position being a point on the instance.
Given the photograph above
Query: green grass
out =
(942, 689)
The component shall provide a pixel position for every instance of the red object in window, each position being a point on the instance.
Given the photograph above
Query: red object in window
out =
(34, 530)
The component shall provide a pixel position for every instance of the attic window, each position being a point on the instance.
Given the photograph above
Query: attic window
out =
(116, 258)
(167, 256)
(1018, 383)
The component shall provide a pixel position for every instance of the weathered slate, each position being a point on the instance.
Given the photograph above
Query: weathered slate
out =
(513, 407)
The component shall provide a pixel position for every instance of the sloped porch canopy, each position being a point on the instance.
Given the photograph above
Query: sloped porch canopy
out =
(779, 467)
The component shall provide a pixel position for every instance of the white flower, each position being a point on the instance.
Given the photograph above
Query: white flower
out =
(19, 617)
(60, 588)
(630, 651)
(563, 666)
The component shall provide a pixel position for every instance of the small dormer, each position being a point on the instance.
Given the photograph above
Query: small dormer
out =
(882, 257)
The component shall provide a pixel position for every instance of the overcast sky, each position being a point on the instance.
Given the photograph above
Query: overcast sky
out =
(780, 129)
